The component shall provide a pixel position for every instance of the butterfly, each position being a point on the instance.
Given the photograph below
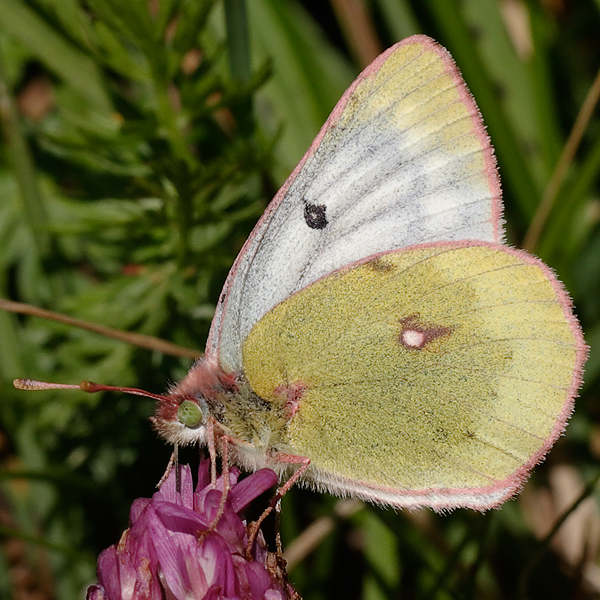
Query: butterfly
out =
(375, 336)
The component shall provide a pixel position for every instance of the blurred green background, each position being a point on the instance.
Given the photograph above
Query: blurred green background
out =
(141, 140)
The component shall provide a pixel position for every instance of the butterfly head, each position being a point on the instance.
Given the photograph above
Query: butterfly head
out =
(182, 415)
(182, 420)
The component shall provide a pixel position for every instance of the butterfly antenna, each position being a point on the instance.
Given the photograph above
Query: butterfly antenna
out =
(86, 386)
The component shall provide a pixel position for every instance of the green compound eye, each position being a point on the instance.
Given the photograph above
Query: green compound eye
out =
(189, 414)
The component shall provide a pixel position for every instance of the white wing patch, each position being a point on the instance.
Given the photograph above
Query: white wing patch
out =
(403, 159)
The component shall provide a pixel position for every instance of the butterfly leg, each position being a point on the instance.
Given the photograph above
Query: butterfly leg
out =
(224, 443)
(281, 458)
(278, 543)
(212, 451)
(173, 463)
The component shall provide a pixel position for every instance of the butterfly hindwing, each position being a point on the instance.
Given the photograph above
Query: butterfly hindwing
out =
(437, 375)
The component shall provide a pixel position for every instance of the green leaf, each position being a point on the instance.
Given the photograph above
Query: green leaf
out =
(52, 49)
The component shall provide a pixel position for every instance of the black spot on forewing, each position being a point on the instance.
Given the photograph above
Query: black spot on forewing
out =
(315, 215)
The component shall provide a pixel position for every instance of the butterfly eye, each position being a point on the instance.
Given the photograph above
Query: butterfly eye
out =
(190, 414)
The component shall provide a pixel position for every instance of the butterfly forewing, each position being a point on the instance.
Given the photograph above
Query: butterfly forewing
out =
(403, 159)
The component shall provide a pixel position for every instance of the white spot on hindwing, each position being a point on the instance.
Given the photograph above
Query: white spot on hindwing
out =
(416, 335)
(413, 339)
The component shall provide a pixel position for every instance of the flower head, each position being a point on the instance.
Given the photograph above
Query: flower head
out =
(171, 552)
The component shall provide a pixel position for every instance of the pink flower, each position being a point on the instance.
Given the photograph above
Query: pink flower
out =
(169, 553)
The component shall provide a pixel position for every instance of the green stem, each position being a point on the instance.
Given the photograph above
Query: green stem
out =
(11, 532)
(238, 40)
(183, 160)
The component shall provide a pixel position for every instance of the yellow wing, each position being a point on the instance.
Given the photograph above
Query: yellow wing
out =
(432, 376)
